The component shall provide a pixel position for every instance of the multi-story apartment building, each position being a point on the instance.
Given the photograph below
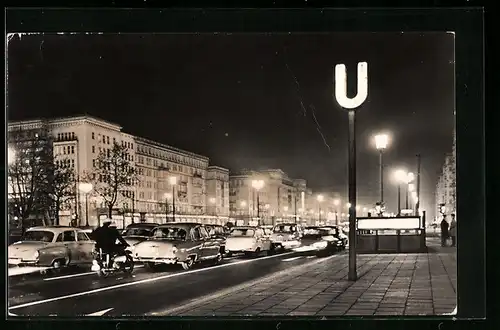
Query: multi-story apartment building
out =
(279, 199)
(78, 141)
(446, 192)
(217, 183)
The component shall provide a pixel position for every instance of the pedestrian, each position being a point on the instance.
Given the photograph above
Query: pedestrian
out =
(444, 231)
(453, 230)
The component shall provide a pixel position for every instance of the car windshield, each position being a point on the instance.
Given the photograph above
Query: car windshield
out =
(285, 229)
(317, 232)
(137, 232)
(333, 230)
(242, 232)
(38, 236)
(170, 233)
(215, 230)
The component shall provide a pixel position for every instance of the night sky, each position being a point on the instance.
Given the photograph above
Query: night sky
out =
(234, 98)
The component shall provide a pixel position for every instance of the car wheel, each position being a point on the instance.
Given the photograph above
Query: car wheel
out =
(271, 250)
(188, 264)
(218, 259)
(58, 263)
(128, 266)
(256, 252)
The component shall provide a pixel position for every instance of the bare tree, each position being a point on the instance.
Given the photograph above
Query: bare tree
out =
(62, 187)
(30, 153)
(114, 174)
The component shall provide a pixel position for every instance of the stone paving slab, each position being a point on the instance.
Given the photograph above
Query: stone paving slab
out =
(388, 284)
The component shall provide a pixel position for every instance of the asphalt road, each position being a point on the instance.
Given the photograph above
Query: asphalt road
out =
(80, 293)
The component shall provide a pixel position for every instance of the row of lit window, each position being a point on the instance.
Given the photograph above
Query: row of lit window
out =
(66, 136)
(169, 156)
(67, 163)
(65, 150)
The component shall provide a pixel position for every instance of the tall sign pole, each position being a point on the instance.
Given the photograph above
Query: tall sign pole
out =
(417, 204)
(351, 104)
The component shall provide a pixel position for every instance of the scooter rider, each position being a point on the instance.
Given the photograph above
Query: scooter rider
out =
(106, 237)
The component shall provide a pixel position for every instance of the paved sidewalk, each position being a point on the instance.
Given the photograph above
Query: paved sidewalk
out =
(388, 284)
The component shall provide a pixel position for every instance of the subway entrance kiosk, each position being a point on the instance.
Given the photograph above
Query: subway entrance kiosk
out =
(403, 234)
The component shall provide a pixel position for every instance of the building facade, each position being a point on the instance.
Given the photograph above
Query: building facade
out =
(217, 185)
(446, 192)
(78, 141)
(279, 199)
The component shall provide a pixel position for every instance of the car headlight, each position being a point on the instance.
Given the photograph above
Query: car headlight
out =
(174, 250)
(320, 245)
(36, 255)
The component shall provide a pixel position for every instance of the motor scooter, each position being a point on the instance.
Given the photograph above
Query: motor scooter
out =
(105, 263)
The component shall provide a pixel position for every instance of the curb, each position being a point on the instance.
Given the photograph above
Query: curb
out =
(193, 303)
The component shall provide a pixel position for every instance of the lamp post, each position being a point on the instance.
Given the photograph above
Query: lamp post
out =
(212, 201)
(86, 188)
(258, 185)
(409, 179)
(336, 202)
(167, 196)
(381, 142)
(173, 181)
(401, 177)
(320, 199)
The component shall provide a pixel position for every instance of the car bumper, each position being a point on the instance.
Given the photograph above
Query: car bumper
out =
(168, 261)
(22, 262)
(288, 244)
(240, 250)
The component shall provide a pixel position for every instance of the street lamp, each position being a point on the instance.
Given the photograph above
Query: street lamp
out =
(320, 199)
(381, 142)
(86, 188)
(173, 181)
(336, 202)
(243, 203)
(167, 196)
(401, 177)
(258, 185)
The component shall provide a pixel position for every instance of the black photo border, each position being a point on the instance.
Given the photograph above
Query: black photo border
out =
(467, 23)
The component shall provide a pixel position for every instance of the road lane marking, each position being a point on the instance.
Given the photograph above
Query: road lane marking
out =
(100, 313)
(291, 259)
(77, 275)
(147, 280)
(26, 270)
(225, 292)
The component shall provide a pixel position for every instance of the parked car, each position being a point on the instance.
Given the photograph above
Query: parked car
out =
(339, 234)
(178, 243)
(53, 246)
(321, 241)
(138, 232)
(287, 235)
(248, 240)
(218, 233)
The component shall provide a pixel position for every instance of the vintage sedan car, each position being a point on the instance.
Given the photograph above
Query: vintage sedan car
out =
(53, 246)
(339, 234)
(321, 241)
(287, 235)
(138, 232)
(248, 240)
(218, 233)
(178, 243)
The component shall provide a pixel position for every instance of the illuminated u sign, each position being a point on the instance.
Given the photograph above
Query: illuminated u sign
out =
(341, 86)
